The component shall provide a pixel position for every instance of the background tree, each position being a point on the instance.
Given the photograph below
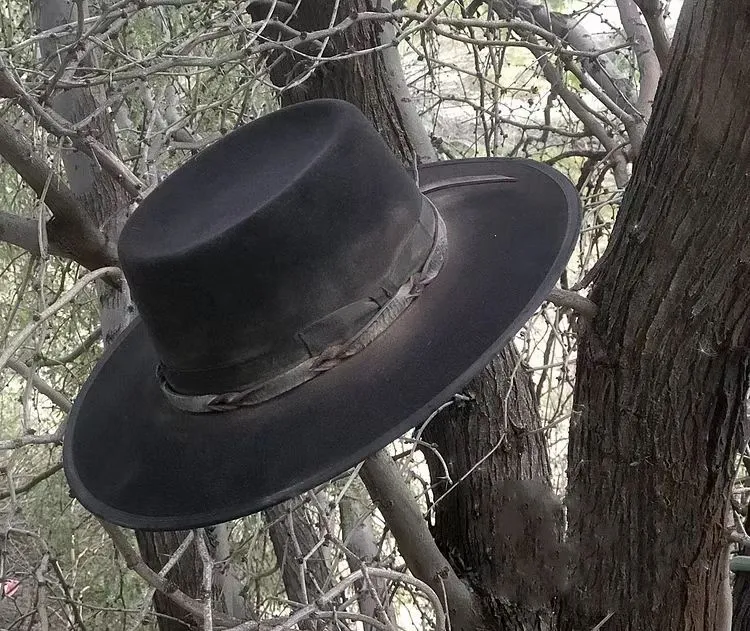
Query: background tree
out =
(662, 369)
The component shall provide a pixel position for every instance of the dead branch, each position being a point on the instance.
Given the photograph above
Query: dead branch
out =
(654, 16)
(396, 502)
(57, 397)
(136, 563)
(71, 231)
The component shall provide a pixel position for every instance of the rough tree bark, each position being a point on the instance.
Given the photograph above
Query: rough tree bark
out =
(662, 370)
(500, 526)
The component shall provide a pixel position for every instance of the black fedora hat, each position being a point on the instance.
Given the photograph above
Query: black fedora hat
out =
(303, 302)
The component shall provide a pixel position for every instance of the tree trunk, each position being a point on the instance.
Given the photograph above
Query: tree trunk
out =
(662, 371)
(500, 526)
(364, 80)
(374, 83)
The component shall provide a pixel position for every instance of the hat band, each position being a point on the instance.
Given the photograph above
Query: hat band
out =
(331, 356)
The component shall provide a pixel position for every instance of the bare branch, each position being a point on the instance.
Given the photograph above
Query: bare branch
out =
(360, 547)
(24, 233)
(171, 562)
(14, 344)
(208, 572)
(415, 542)
(136, 563)
(648, 64)
(71, 230)
(571, 30)
(91, 339)
(296, 544)
(572, 300)
(410, 120)
(589, 120)
(312, 609)
(34, 439)
(58, 398)
(41, 477)
(652, 12)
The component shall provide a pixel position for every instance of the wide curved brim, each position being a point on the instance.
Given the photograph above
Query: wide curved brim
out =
(133, 460)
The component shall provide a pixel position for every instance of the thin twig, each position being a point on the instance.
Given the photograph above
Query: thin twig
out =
(312, 609)
(208, 572)
(41, 477)
(17, 341)
(57, 397)
(136, 563)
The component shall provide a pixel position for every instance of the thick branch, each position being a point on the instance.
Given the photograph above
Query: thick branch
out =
(71, 230)
(572, 300)
(394, 74)
(24, 232)
(557, 26)
(359, 539)
(616, 91)
(654, 16)
(415, 542)
(648, 64)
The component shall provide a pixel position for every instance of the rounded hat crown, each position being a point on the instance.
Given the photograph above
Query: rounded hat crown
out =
(281, 238)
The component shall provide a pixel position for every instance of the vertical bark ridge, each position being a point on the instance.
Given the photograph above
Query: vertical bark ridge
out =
(662, 372)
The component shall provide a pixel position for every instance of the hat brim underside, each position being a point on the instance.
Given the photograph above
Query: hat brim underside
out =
(135, 461)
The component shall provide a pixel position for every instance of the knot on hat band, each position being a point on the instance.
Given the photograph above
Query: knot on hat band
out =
(330, 357)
